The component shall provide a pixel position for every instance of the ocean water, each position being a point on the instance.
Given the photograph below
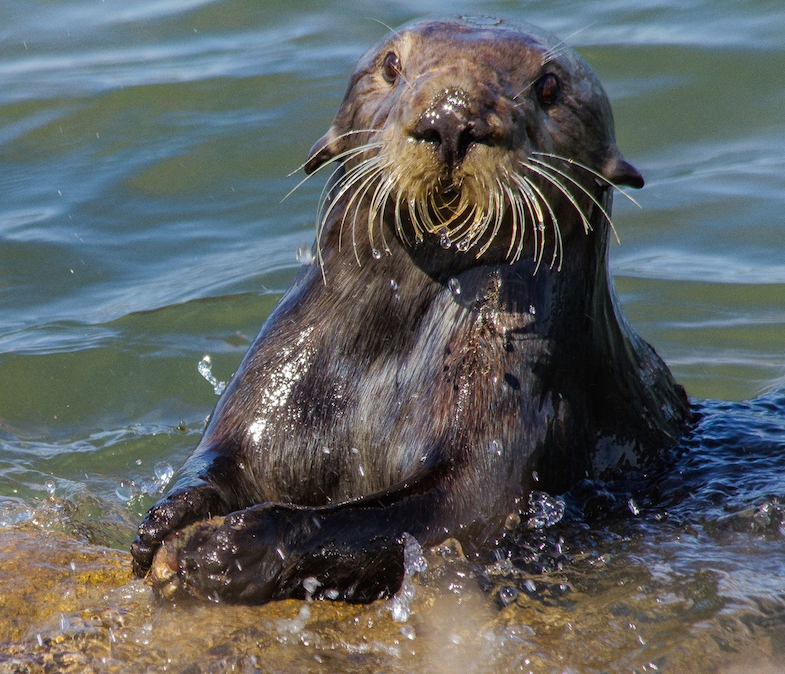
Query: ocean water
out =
(146, 147)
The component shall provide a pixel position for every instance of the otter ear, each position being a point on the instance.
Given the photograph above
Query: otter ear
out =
(618, 171)
(321, 152)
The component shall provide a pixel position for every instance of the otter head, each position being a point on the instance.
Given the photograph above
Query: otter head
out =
(493, 138)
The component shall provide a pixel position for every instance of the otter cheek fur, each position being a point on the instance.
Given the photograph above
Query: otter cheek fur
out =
(459, 331)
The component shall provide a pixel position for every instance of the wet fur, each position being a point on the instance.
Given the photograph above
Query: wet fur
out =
(401, 386)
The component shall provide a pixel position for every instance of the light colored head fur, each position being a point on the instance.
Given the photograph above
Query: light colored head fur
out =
(476, 134)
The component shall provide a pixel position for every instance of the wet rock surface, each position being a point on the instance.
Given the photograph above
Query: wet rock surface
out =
(68, 606)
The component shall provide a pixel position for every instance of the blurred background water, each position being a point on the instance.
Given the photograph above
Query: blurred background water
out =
(146, 147)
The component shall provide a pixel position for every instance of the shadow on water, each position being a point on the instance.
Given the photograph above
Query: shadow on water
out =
(674, 571)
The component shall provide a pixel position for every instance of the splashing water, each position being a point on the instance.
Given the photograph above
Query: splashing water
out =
(205, 368)
(545, 510)
(127, 490)
(413, 563)
(305, 255)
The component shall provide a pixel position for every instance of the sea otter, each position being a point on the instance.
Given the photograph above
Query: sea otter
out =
(457, 333)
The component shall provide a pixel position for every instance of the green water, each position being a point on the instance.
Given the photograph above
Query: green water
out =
(145, 150)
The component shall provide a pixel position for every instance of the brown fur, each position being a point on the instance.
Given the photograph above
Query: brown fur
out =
(442, 351)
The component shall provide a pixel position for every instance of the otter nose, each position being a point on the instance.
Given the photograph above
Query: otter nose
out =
(452, 127)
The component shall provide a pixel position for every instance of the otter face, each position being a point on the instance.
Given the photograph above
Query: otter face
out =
(475, 134)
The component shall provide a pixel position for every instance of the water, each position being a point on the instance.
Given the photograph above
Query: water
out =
(146, 148)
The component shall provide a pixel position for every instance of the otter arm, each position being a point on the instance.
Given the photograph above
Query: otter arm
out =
(354, 550)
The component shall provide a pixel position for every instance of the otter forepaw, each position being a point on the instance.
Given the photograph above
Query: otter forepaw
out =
(221, 559)
(178, 510)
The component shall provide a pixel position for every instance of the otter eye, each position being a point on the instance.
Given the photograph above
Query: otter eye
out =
(547, 89)
(391, 68)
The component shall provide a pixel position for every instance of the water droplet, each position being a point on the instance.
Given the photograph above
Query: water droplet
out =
(535, 476)
(540, 226)
(413, 558)
(481, 20)
(545, 510)
(463, 245)
(512, 521)
(455, 286)
(50, 487)
(310, 585)
(205, 368)
(532, 310)
(393, 285)
(508, 594)
(400, 610)
(444, 240)
(377, 254)
(413, 562)
(124, 491)
(408, 632)
(332, 593)
(148, 487)
(530, 585)
(496, 447)
(305, 255)
(163, 473)
(634, 509)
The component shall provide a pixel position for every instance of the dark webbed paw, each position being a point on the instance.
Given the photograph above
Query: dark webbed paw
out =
(237, 558)
(181, 508)
(266, 552)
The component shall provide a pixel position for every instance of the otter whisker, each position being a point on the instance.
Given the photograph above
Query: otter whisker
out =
(537, 219)
(520, 204)
(344, 184)
(352, 132)
(558, 246)
(398, 221)
(378, 206)
(342, 159)
(561, 46)
(596, 174)
(538, 225)
(362, 192)
(550, 167)
(336, 189)
(514, 209)
(521, 92)
(519, 219)
(370, 171)
(411, 204)
(563, 189)
(499, 193)
(353, 151)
